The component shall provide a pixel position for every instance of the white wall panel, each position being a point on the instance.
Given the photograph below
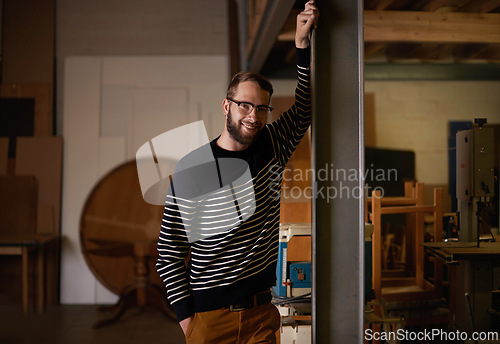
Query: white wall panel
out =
(206, 79)
(153, 112)
(111, 154)
(81, 154)
(112, 105)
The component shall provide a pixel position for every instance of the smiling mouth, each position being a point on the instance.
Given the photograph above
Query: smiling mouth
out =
(249, 127)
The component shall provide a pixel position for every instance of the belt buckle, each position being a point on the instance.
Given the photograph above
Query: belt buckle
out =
(236, 308)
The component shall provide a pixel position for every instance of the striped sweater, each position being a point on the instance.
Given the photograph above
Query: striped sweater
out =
(237, 262)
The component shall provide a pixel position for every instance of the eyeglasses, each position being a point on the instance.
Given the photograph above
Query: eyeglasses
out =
(246, 108)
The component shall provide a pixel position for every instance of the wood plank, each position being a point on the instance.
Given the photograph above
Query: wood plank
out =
(477, 51)
(299, 248)
(415, 26)
(396, 201)
(28, 41)
(18, 204)
(398, 281)
(25, 239)
(45, 223)
(418, 26)
(11, 251)
(42, 157)
(479, 6)
(372, 49)
(295, 212)
(435, 5)
(42, 92)
(377, 242)
(4, 153)
(378, 4)
(420, 235)
(370, 132)
(425, 52)
(408, 209)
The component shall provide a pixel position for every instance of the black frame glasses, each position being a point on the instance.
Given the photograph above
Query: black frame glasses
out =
(246, 108)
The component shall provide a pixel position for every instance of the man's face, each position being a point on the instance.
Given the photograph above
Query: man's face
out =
(244, 128)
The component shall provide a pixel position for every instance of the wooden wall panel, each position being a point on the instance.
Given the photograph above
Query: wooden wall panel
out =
(370, 133)
(295, 212)
(42, 92)
(18, 201)
(4, 151)
(28, 41)
(42, 157)
(296, 192)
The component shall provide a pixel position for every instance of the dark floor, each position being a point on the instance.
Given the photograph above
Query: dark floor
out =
(72, 324)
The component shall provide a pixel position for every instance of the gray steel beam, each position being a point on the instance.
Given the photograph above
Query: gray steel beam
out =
(338, 148)
(241, 8)
(273, 19)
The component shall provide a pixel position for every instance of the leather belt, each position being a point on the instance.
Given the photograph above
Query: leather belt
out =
(252, 301)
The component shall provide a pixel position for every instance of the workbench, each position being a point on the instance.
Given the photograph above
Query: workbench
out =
(474, 271)
(453, 252)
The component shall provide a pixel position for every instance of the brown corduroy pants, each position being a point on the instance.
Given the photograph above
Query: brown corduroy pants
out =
(255, 325)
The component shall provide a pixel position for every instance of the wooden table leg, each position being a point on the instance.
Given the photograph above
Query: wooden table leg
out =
(41, 280)
(25, 272)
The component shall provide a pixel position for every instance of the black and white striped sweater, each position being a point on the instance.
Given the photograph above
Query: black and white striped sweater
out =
(238, 262)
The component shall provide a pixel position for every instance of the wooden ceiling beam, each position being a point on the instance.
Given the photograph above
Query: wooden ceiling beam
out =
(415, 26)
(444, 6)
(372, 49)
(435, 5)
(427, 52)
(378, 5)
(481, 6)
(474, 52)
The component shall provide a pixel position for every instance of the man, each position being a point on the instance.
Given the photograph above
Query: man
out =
(223, 295)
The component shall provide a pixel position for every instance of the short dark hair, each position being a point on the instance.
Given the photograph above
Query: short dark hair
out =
(249, 76)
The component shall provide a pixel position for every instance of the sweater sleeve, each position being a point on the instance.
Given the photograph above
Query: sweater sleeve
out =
(288, 130)
(173, 249)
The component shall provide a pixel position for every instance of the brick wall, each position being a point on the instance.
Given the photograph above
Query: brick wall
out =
(414, 115)
(147, 27)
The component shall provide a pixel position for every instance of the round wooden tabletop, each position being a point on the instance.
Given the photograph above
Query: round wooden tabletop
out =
(114, 221)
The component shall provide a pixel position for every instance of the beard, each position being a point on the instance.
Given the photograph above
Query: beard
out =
(235, 131)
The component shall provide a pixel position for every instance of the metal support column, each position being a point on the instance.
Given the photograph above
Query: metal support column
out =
(338, 159)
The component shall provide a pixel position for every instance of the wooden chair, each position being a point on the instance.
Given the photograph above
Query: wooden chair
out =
(411, 204)
(418, 299)
(18, 237)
